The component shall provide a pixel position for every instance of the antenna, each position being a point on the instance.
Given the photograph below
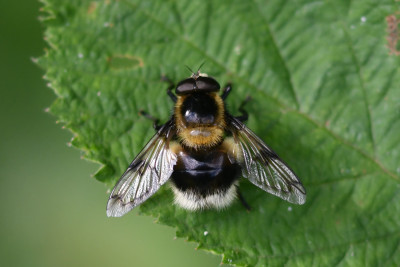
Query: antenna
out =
(189, 69)
(196, 74)
(201, 65)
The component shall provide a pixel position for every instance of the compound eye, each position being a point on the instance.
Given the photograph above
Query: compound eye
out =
(185, 86)
(207, 84)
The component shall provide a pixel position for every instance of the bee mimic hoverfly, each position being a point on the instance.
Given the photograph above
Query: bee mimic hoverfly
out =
(203, 151)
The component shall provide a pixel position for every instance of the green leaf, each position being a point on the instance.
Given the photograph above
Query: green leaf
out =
(325, 82)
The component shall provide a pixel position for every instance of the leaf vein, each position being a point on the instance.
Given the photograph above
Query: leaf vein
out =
(279, 53)
(362, 84)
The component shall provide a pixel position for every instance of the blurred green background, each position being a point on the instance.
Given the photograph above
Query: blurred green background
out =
(53, 211)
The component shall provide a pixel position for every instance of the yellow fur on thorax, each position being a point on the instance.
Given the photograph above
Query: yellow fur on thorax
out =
(215, 132)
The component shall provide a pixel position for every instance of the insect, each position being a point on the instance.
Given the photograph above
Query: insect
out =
(203, 151)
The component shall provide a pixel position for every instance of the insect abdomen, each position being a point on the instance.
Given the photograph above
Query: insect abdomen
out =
(204, 179)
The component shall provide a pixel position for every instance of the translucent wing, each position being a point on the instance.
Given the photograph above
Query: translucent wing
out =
(263, 167)
(144, 176)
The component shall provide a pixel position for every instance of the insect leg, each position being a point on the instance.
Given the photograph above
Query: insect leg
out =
(243, 201)
(155, 121)
(170, 87)
(244, 115)
(226, 91)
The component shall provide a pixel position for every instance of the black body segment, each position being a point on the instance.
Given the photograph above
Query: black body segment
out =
(205, 172)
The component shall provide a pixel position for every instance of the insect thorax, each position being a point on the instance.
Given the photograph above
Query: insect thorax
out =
(200, 119)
